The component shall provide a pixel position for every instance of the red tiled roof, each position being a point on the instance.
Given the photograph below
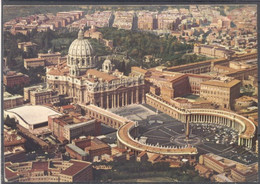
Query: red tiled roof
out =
(215, 161)
(67, 107)
(138, 69)
(34, 59)
(101, 75)
(59, 71)
(9, 174)
(40, 165)
(75, 168)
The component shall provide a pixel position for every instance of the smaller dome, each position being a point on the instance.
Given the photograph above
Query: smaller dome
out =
(107, 66)
(107, 62)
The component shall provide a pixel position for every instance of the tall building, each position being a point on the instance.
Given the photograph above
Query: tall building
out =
(221, 92)
(79, 79)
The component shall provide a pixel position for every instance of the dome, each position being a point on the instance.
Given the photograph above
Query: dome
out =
(107, 66)
(107, 62)
(81, 55)
(81, 47)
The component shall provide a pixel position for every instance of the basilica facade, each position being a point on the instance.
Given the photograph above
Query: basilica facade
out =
(78, 78)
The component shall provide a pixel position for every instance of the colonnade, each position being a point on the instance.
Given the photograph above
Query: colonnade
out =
(119, 99)
(247, 142)
(204, 118)
(245, 127)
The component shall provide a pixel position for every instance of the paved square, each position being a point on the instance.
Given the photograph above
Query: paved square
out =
(161, 129)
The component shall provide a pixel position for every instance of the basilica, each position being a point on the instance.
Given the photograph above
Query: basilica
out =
(79, 78)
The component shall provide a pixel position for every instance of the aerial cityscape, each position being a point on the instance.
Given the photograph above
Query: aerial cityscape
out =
(102, 93)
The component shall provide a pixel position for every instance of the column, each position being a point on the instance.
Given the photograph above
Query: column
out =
(114, 100)
(107, 101)
(239, 141)
(118, 100)
(137, 96)
(132, 96)
(123, 99)
(102, 100)
(127, 101)
(143, 96)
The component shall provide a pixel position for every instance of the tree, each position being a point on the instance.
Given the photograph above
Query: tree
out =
(10, 122)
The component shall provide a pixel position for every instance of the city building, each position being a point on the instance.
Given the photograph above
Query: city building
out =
(203, 170)
(169, 20)
(34, 124)
(222, 92)
(93, 33)
(222, 178)
(85, 85)
(98, 19)
(11, 101)
(170, 85)
(34, 62)
(87, 148)
(12, 78)
(147, 20)
(231, 171)
(68, 127)
(27, 90)
(244, 102)
(44, 59)
(212, 51)
(27, 46)
(217, 163)
(39, 95)
(49, 171)
(51, 58)
(245, 174)
(14, 149)
(124, 19)
(66, 109)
